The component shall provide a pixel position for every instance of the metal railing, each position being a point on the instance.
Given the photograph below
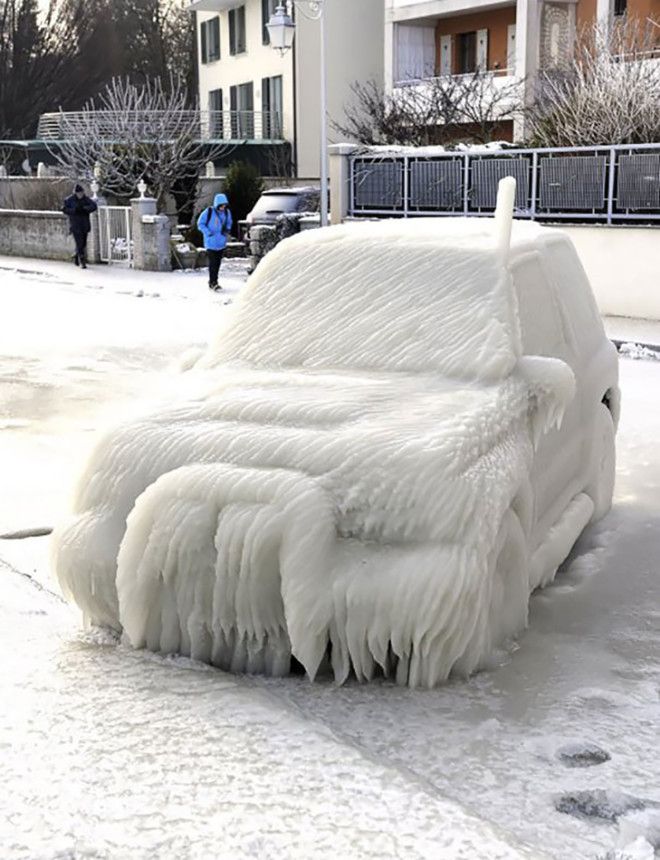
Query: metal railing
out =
(163, 125)
(601, 184)
(507, 72)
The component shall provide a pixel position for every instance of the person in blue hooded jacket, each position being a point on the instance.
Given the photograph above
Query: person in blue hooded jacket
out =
(215, 225)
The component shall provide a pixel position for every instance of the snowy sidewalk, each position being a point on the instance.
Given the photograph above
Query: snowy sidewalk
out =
(192, 285)
(121, 280)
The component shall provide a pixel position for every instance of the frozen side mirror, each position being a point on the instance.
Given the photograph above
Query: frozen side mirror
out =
(551, 387)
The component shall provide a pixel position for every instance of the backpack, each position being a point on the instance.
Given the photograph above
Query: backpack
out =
(209, 212)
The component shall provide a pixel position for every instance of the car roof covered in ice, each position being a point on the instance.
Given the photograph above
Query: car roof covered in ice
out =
(473, 233)
(417, 296)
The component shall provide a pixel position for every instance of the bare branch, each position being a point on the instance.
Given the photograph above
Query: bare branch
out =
(136, 132)
(609, 93)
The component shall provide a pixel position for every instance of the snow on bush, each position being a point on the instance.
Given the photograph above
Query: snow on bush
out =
(343, 490)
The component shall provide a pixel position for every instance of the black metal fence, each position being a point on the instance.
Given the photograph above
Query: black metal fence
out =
(607, 184)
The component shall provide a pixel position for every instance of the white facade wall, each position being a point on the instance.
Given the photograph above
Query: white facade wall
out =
(354, 45)
(257, 62)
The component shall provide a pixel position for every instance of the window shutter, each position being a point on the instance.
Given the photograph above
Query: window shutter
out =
(203, 37)
(445, 55)
(241, 30)
(511, 48)
(265, 18)
(213, 50)
(482, 50)
(428, 63)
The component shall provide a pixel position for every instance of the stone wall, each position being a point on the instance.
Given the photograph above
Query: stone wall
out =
(34, 193)
(25, 233)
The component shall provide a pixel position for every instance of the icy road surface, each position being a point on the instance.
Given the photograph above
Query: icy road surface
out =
(112, 754)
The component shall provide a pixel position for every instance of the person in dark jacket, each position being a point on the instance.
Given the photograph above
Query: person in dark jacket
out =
(215, 225)
(78, 207)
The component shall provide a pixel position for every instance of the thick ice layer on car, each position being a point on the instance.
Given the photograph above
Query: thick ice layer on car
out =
(351, 484)
(413, 296)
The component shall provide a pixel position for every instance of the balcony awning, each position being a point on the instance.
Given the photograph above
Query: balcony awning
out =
(210, 5)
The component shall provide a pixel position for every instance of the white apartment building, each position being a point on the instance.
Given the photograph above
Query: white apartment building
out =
(265, 99)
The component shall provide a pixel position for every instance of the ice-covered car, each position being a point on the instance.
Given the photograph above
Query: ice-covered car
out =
(408, 425)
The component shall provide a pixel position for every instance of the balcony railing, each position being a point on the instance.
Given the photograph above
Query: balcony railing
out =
(491, 73)
(115, 126)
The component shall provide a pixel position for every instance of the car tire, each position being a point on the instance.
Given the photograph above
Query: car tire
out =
(603, 463)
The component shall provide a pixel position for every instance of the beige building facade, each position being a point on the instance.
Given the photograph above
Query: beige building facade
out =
(263, 96)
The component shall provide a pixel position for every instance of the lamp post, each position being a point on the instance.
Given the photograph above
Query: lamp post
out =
(281, 30)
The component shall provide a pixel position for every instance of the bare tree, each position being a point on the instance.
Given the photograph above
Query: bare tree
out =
(137, 132)
(435, 111)
(609, 92)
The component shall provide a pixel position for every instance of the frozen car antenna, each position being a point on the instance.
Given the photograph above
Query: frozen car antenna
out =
(506, 195)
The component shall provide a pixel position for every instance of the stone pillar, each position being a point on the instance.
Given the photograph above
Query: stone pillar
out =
(340, 180)
(528, 21)
(93, 240)
(140, 206)
(155, 254)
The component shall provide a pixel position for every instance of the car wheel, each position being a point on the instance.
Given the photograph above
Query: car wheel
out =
(603, 464)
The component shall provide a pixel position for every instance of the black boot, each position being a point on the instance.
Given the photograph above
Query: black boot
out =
(75, 259)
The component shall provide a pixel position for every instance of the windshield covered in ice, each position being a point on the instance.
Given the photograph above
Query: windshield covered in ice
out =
(356, 298)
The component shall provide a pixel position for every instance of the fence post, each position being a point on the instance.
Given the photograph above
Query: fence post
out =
(610, 186)
(466, 183)
(406, 185)
(535, 170)
(340, 181)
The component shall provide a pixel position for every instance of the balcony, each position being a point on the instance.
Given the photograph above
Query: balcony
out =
(210, 5)
(208, 126)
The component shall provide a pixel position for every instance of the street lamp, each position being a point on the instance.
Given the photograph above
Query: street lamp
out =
(281, 30)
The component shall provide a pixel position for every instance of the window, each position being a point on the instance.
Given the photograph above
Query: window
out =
(620, 7)
(237, 30)
(271, 106)
(210, 34)
(241, 99)
(268, 8)
(572, 287)
(414, 52)
(540, 321)
(467, 53)
(215, 114)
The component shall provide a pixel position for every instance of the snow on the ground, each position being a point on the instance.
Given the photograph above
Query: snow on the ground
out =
(109, 753)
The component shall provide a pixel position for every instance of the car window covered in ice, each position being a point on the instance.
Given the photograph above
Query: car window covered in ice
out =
(572, 285)
(355, 298)
(540, 320)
